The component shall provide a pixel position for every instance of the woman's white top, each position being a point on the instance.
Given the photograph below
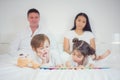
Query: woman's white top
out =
(86, 36)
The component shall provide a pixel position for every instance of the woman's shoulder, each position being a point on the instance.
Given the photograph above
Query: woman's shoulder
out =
(88, 32)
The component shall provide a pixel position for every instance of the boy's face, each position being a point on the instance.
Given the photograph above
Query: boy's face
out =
(43, 50)
(77, 56)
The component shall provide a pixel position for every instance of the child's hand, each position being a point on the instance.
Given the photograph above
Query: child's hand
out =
(91, 66)
(80, 67)
(59, 66)
(35, 65)
(44, 57)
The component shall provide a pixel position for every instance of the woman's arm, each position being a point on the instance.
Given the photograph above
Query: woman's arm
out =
(66, 45)
(92, 43)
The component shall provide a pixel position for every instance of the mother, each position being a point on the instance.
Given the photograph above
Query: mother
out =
(81, 30)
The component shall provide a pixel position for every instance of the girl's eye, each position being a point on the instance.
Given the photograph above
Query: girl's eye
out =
(79, 56)
(73, 53)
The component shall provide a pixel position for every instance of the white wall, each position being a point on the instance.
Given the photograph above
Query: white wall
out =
(58, 16)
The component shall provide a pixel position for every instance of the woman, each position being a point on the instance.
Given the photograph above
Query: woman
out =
(81, 30)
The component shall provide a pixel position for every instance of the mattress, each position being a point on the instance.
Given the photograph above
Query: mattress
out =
(9, 71)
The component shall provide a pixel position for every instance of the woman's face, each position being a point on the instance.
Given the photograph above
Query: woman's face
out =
(77, 56)
(80, 22)
(33, 19)
(43, 50)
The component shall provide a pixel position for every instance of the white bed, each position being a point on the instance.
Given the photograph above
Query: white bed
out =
(9, 71)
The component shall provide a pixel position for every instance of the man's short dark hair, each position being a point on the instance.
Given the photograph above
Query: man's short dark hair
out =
(32, 10)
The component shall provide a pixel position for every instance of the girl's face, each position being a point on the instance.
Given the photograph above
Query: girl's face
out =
(43, 50)
(33, 19)
(80, 22)
(77, 56)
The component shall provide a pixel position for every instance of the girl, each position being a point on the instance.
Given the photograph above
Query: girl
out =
(83, 55)
(41, 45)
(81, 30)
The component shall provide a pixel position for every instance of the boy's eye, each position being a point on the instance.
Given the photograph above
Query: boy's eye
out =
(46, 46)
(41, 48)
(79, 56)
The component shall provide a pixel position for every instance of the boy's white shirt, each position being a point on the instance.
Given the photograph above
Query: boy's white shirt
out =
(54, 59)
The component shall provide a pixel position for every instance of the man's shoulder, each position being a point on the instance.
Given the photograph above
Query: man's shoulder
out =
(70, 31)
(44, 31)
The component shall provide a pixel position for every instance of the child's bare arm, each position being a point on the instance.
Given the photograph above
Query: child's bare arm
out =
(103, 55)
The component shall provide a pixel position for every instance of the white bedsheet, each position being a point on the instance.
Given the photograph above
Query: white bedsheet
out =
(9, 71)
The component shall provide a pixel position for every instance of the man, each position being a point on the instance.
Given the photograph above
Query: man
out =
(22, 42)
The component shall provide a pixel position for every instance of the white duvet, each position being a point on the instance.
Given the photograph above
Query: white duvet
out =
(9, 71)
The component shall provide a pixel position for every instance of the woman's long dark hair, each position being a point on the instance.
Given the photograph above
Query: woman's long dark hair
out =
(87, 26)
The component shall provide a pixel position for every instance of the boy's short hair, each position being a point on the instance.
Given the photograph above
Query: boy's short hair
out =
(32, 10)
(38, 40)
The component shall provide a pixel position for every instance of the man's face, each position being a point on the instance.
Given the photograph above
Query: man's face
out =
(33, 19)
